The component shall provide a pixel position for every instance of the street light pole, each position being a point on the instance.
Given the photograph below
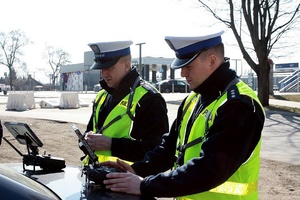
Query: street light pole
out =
(140, 56)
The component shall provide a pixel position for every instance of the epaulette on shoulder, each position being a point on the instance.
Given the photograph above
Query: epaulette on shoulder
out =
(148, 86)
(233, 92)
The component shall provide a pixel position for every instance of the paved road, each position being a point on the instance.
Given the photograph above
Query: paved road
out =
(280, 138)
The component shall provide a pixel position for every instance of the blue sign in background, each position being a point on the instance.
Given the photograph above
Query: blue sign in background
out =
(287, 65)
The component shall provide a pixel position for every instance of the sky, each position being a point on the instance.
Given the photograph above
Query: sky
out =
(72, 24)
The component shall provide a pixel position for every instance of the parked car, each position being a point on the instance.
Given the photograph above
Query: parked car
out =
(62, 185)
(172, 85)
(30, 181)
(14, 185)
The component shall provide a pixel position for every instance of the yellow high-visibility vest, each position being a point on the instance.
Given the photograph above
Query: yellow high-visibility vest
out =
(242, 185)
(118, 123)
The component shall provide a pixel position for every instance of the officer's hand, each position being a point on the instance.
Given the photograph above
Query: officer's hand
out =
(123, 182)
(98, 141)
(121, 165)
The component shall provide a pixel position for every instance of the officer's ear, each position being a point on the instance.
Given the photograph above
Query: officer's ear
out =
(214, 61)
(127, 65)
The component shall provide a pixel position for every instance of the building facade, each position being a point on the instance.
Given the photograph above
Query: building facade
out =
(79, 77)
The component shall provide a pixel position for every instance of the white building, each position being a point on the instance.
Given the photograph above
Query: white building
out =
(79, 77)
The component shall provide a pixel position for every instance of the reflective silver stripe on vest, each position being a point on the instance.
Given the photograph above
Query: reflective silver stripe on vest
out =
(236, 188)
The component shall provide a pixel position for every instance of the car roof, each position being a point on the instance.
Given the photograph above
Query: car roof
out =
(14, 185)
(52, 183)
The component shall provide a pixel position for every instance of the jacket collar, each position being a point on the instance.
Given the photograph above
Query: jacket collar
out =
(125, 84)
(123, 89)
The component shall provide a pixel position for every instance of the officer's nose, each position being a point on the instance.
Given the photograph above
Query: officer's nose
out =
(184, 72)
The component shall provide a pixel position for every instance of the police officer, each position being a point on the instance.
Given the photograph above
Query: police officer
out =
(129, 115)
(216, 136)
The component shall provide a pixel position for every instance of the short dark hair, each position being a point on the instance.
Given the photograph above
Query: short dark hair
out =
(218, 50)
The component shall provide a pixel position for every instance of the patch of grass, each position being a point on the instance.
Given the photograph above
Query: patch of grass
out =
(284, 109)
(285, 97)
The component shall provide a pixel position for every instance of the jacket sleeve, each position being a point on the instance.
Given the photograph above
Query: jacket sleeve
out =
(160, 159)
(231, 140)
(150, 123)
(89, 126)
(163, 156)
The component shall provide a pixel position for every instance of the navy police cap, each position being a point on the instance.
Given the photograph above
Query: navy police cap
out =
(188, 48)
(108, 54)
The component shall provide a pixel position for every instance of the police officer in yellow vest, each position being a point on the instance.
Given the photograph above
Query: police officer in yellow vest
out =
(216, 137)
(129, 115)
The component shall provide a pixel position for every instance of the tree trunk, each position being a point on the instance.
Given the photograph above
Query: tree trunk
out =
(10, 78)
(53, 84)
(263, 84)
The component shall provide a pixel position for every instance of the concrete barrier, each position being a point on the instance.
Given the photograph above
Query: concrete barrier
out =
(20, 101)
(49, 103)
(83, 103)
(69, 100)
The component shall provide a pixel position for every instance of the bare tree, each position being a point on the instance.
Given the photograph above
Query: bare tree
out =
(266, 22)
(11, 45)
(56, 58)
(13, 77)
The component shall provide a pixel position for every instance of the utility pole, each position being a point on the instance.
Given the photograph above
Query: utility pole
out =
(140, 57)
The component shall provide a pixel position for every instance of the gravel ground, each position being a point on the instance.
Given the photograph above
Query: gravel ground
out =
(278, 180)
